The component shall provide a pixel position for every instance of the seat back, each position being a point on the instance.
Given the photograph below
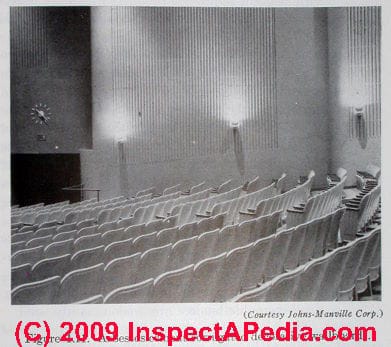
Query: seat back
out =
(206, 246)
(48, 267)
(332, 234)
(284, 286)
(277, 256)
(40, 292)
(231, 274)
(118, 249)
(134, 231)
(182, 253)
(65, 235)
(22, 236)
(227, 238)
(328, 289)
(351, 269)
(39, 241)
(311, 278)
(186, 231)
(106, 227)
(120, 272)
(362, 278)
(170, 286)
(136, 293)
(17, 246)
(145, 242)
(45, 232)
(66, 227)
(88, 241)
(85, 223)
(113, 236)
(20, 274)
(85, 231)
(27, 255)
(81, 284)
(154, 262)
(58, 248)
(203, 284)
(169, 235)
(87, 257)
(257, 262)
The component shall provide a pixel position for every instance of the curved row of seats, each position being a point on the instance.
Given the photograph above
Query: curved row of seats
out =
(293, 197)
(272, 251)
(57, 214)
(24, 240)
(339, 275)
(89, 250)
(263, 245)
(318, 205)
(359, 213)
(186, 207)
(156, 260)
(133, 239)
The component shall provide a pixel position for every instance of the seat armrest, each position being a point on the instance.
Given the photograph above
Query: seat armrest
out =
(357, 199)
(294, 210)
(247, 213)
(202, 215)
(353, 206)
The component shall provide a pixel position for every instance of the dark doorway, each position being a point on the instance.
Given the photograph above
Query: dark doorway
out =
(39, 178)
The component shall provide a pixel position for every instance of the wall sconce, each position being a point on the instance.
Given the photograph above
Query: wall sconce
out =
(359, 112)
(234, 125)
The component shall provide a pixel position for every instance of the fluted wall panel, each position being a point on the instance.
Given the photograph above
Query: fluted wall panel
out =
(363, 30)
(181, 76)
(29, 36)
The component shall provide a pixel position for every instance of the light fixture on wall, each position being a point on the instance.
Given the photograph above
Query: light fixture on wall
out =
(234, 124)
(359, 112)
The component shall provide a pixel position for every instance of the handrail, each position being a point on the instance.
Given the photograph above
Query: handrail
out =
(81, 189)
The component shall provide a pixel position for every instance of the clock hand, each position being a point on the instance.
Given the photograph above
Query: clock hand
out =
(41, 114)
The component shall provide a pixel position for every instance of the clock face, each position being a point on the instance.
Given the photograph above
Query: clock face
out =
(40, 114)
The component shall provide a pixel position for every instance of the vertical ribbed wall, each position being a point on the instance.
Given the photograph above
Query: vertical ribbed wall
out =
(364, 29)
(28, 32)
(181, 75)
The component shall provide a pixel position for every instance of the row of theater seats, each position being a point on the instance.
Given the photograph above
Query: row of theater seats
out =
(90, 249)
(46, 236)
(294, 197)
(47, 216)
(185, 207)
(255, 260)
(108, 239)
(339, 275)
(361, 210)
(39, 213)
(318, 205)
(122, 208)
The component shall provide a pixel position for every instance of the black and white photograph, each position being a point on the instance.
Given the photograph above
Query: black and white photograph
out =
(204, 154)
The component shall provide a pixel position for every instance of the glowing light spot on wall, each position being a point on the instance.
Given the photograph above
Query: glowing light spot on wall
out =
(235, 111)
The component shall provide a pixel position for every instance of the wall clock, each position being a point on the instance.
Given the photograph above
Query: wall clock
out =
(40, 114)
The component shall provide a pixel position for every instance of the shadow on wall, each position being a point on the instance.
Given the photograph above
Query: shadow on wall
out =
(239, 154)
(238, 148)
(361, 131)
